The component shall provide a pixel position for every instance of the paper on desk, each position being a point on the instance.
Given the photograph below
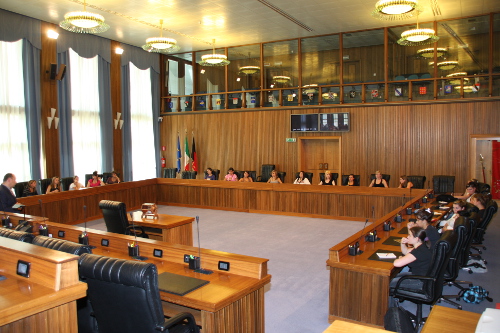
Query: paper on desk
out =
(444, 207)
(438, 213)
(386, 255)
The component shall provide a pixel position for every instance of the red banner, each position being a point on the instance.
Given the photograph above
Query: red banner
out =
(495, 170)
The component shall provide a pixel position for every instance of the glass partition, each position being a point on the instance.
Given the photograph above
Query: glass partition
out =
(363, 56)
(244, 69)
(210, 79)
(281, 64)
(320, 60)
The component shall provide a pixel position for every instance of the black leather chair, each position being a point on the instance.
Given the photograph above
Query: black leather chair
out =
(443, 184)
(462, 229)
(417, 181)
(252, 174)
(489, 211)
(105, 176)
(17, 235)
(125, 297)
(188, 174)
(308, 175)
(281, 175)
(115, 217)
(335, 176)
(66, 182)
(432, 283)
(61, 245)
(345, 179)
(19, 189)
(483, 188)
(384, 176)
(43, 184)
(266, 172)
(170, 173)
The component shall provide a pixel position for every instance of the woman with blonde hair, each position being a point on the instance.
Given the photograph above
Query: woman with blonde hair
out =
(328, 179)
(55, 186)
(378, 181)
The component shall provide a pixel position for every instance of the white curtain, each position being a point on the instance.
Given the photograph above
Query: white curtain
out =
(141, 123)
(14, 138)
(85, 121)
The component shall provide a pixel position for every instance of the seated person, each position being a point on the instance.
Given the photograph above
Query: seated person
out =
(55, 186)
(210, 174)
(30, 189)
(246, 177)
(113, 179)
(231, 176)
(378, 181)
(479, 200)
(417, 257)
(424, 219)
(470, 189)
(274, 178)
(404, 182)
(458, 209)
(328, 179)
(7, 196)
(351, 181)
(75, 185)
(95, 181)
(302, 179)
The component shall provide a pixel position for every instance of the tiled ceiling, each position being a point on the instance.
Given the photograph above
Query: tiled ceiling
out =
(194, 23)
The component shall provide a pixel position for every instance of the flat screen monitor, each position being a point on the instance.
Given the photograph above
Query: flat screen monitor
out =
(304, 122)
(335, 122)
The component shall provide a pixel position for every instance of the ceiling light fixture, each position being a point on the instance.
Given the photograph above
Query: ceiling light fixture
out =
(445, 65)
(429, 52)
(118, 50)
(281, 79)
(161, 44)
(84, 22)
(249, 70)
(415, 37)
(214, 59)
(393, 10)
(454, 78)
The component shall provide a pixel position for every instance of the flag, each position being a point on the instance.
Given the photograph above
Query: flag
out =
(194, 157)
(178, 154)
(186, 154)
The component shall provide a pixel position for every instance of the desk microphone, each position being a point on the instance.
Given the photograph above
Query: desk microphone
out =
(83, 238)
(200, 270)
(430, 194)
(43, 227)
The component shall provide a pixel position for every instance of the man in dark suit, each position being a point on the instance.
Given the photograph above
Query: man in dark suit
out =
(7, 197)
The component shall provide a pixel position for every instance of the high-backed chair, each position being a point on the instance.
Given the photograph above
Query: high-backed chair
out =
(384, 176)
(88, 177)
(125, 297)
(66, 182)
(281, 175)
(61, 245)
(443, 184)
(489, 211)
(483, 188)
(170, 173)
(105, 176)
(345, 179)
(308, 175)
(251, 174)
(19, 189)
(17, 235)
(417, 181)
(432, 283)
(188, 174)
(43, 184)
(115, 217)
(335, 176)
(462, 229)
(266, 172)
(215, 172)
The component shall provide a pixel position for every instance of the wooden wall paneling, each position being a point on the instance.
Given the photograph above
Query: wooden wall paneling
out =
(116, 104)
(50, 137)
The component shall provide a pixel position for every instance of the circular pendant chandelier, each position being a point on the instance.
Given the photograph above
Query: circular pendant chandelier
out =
(84, 22)
(214, 59)
(249, 70)
(429, 52)
(445, 65)
(393, 10)
(161, 44)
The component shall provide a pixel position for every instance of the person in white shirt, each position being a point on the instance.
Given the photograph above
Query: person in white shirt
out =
(302, 179)
(75, 185)
(458, 206)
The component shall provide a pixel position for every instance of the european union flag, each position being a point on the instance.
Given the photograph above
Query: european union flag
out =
(178, 154)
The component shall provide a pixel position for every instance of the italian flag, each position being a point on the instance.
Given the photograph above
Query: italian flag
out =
(186, 154)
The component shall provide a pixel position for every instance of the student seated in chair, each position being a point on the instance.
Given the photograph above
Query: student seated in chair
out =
(274, 178)
(458, 208)
(328, 179)
(378, 181)
(95, 181)
(210, 174)
(30, 189)
(231, 176)
(404, 182)
(114, 179)
(246, 177)
(76, 185)
(424, 220)
(55, 186)
(351, 181)
(302, 179)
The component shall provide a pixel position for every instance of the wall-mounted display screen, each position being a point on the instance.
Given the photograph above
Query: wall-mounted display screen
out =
(334, 122)
(304, 122)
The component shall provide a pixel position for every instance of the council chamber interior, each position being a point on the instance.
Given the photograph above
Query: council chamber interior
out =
(365, 102)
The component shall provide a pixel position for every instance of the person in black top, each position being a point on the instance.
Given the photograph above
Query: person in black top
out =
(30, 189)
(328, 179)
(7, 197)
(424, 219)
(479, 200)
(351, 181)
(378, 181)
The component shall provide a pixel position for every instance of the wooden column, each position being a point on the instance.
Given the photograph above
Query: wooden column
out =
(116, 105)
(50, 137)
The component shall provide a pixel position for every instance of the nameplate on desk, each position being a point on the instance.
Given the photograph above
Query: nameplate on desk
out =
(178, 284)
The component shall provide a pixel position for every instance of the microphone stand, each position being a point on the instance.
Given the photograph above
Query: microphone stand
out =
(200, 270)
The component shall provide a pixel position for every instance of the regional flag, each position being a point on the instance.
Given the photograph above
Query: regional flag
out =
(186, 154)
(178, 154)
(194, 157)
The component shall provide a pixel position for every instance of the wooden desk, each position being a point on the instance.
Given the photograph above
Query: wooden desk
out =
(341, 326)
(175, 229)
(44, 302)
(359, 287)
(231, 299)
(448, 320)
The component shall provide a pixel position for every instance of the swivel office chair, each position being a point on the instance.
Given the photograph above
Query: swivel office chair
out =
(125, 297)
(19, 189)
(115, 218)
(61, 245)
(17, 235)
(417, 181)
(66, 183)
(266, 172)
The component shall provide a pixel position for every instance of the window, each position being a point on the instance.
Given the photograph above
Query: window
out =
(85, 120)
(14, 139)
(141, 123)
